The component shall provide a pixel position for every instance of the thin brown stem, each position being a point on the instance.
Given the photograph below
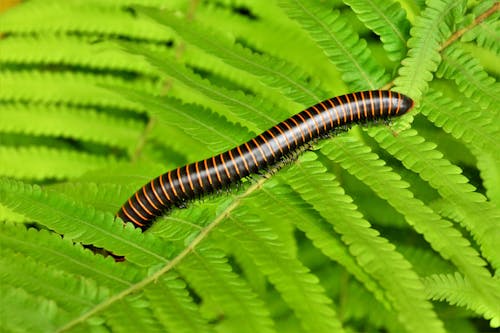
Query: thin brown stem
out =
(190, 248)
(477, 21)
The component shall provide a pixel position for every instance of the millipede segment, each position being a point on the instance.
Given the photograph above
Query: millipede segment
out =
(188, 182)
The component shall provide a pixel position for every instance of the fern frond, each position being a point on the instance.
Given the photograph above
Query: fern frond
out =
(224, 294)
(470, 77)
(425, 261)
(74, 123)
(44, 162)
(62, 215)
(274, 34)
(297, 286)
(358, 160)
(64, 255)
(388, 20)
(475, 127)
(279, 202)
(486, 34)
(339, 42)
(174, 307)
(132, 314)
(89, 105)
(472, 126)
(71, 294)
(106, 190)
(272, 72)
(359, 304)
(443, 238)
(431, 29)
(489, 166)
(69, 88)
(71, 51)
(375, 254)
(457, 290)
(43, 314)
(197, 123)
(234, 105)
(54, 17)
(471, 207)
(6, 214)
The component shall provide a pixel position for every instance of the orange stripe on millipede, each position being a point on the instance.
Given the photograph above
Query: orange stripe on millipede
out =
(282, 133)
(163, 189)
(334, 107)
(304, 121)
(381, 103)
(179, 178)
(225, 166)
(189, 178)
(399, 104)
(343, 110)
(358, 111)
(243, 158)
(390, 104)
(199, 175)
(136, 211)
(216, 170)
(363, 98)
(172, 184)
(351, 113)
(146, 195)
(133, 220)
(234, 162)
(314, 120)
(371, 102)
(142, 204)
(260, 149)
(295, 141)
(151, 184)
(300, 128)
(328, 114)
(208, 173)
(321, 115)
(269, 145)
(251, 153)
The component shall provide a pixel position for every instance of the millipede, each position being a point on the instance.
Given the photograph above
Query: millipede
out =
(188, 182)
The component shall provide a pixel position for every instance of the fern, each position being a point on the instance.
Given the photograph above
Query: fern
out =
(457, 290)
(176, 310)
(438, 233)
(298, 288)
(471, 79)
(62, 215)
(235, 101)
(391, 228)
(430, 30)
(471, 207)
(226, 293)
(42, 162)
(342, 45)
(373, 253)
(316, 229)
(67, 88)
(387, 19)
(486, 33)
(274, 73)
(70, 123)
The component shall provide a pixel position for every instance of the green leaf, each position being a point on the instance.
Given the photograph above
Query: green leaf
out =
(431, 29)
(339, 42)
(374, 253)
(388, 20)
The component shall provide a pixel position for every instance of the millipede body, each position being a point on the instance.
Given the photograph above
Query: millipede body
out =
(177, 186)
